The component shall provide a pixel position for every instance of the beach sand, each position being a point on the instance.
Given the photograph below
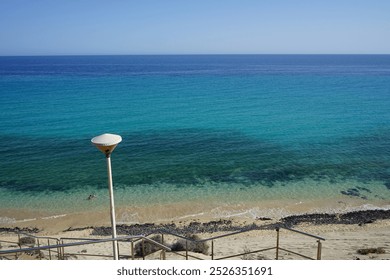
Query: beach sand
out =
(344, 235)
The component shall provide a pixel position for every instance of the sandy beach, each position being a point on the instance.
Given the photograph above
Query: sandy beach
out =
(359, 235)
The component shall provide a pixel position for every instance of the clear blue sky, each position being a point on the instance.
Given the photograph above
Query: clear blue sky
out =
(66, 27)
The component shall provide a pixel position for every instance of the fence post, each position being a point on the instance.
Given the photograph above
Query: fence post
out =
(163, 250)
(63, 250)
(20, 246)
(277, 243)
(59, 250)
(143, 249)
(212, 249)
(117, 247)
(319, 249)
(132, 249)
(48, 244)
(186, 249)
(39, 250)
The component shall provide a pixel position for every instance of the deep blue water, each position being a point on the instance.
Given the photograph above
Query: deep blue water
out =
(193, 122)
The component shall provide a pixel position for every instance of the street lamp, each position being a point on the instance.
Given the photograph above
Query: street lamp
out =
(106, 143)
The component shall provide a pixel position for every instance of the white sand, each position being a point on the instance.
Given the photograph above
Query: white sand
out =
(342, 242)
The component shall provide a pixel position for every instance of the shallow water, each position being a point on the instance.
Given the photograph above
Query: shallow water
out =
(225, 130)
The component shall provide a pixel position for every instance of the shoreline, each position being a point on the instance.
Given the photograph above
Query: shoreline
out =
(302, 195)
(357, 235)
(201, 226)
(185, 212)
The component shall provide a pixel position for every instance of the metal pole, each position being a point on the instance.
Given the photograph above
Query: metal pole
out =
(212, 249)
(48, 244)
(58, 250)
(112, 207)
(143, 249)
(132, 249)
(277, 243)
(186, 249)
(39, 250)
(319, 249)
(163, 251)
(62, 250)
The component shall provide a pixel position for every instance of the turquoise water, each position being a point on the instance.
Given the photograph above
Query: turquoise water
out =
(228, 129)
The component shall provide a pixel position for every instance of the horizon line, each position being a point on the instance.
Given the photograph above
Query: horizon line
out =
(200, 54)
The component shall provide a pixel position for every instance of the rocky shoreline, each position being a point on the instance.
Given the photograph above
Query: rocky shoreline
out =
(262, 223)
(349, 218)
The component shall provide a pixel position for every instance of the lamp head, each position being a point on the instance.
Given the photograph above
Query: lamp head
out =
(106, 143)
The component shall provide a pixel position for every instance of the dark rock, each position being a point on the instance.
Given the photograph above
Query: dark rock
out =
(371, 251)
(356, 217)
(178, 246)
(27, 241)
(364, 189)
(355, 192)
(366, 216)
(77, 229)
(263, 219)
(196, 247)
(19, 230)
(351, 192)
(317, 219)
(192, 228)
(145, 248)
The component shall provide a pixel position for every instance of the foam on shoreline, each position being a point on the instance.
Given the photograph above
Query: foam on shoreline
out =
(182, 212)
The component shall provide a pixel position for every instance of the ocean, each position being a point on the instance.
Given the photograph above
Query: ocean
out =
(222, 135)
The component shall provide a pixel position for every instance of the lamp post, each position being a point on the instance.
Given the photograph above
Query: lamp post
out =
(106, 143)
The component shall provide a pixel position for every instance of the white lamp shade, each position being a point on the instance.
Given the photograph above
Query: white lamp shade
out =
(107, 142)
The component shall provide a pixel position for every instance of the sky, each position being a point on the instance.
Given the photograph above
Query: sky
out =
(97, 27)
